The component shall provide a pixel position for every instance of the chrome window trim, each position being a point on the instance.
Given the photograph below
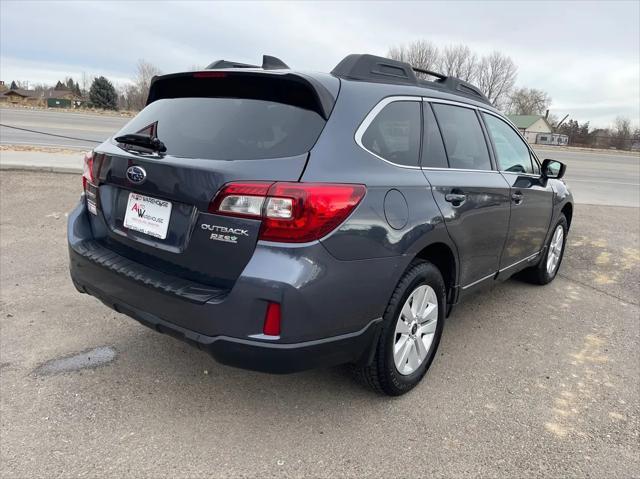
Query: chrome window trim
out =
(451, 102)
(433, 168)
(372, 115)
(368, 119)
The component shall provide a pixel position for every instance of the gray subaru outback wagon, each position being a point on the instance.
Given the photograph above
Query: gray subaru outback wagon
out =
(285, 220)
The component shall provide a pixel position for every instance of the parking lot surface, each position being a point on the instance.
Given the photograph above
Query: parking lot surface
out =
(529, 381)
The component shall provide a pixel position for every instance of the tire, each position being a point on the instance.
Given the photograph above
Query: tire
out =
(541, 273)
(383, 374)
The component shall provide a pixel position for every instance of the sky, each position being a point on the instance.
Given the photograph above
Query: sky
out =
(585, 55)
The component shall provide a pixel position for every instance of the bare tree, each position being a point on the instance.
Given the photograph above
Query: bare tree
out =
(146, 72)
(496, 77)
(85, 83)
(494, 74)
(622, 132)
(419, 54)
(460, 62)
(137, 96)
(528, 101)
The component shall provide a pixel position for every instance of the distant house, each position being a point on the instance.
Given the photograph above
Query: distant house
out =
(19, 96)
(61, 92)
(531, 126)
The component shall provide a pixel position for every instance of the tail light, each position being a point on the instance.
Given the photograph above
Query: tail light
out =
(89, 183)
(290, 212)
(87, 170)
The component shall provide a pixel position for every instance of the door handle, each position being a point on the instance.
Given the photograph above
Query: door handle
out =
(517, 197)
(456, 199)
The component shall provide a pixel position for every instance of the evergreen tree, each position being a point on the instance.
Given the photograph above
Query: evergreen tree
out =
(102, 94)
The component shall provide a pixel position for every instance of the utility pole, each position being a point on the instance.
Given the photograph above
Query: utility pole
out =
(561, 121)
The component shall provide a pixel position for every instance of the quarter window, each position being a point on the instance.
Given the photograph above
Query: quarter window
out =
(513, 154)
(463, 137)
(394, 134)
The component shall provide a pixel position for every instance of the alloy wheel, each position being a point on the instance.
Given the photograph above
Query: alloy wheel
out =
(415, 329)
(555, 250)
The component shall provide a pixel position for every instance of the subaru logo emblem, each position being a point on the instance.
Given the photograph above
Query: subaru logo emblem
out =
(136, 174)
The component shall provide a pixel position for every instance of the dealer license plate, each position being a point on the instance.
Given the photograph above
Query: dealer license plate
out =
(147, 215)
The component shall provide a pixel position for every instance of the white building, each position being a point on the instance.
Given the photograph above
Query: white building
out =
(552, 139)
(531, 126)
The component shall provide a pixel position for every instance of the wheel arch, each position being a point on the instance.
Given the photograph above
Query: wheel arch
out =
(442, 257)
(567, 211)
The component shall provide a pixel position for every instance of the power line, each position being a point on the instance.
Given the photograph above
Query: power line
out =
(50, 134)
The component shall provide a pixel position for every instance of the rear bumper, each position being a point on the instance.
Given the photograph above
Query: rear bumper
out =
(260, 355)
(327, 305)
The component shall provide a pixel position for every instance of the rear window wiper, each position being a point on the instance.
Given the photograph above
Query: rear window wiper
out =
(144, 141)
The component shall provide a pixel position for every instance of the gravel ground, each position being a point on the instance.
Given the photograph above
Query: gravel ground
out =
(528, 382)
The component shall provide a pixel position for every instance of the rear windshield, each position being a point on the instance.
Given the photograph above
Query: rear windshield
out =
(228, 128)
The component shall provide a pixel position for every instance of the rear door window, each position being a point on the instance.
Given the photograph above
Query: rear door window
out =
(229, 128)
(463, 137)
(394, 134)
(512, 153)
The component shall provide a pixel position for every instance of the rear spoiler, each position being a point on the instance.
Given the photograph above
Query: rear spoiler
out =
(268, 63)
(295, 89)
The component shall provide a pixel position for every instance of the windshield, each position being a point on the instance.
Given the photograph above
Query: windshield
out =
(228, 128)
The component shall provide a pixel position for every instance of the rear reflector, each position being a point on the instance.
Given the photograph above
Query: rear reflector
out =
(290, 212)
(272, 320)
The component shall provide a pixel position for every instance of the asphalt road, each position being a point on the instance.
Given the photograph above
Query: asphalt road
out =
(601, 178)
(77, 125)
(529, 381)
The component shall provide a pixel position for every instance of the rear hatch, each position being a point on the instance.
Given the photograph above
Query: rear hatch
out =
(217, 127)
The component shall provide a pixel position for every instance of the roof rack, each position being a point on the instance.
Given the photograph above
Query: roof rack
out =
(268, 63)
(371, 68)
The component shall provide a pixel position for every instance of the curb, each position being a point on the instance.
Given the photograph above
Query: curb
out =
(45, 169)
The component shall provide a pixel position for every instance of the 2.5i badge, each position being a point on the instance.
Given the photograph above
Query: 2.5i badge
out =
(224, 234)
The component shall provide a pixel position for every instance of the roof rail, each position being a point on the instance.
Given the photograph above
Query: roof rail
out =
(371, 68)
(268, 63)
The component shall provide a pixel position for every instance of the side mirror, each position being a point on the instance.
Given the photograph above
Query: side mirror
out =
(553, 169)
